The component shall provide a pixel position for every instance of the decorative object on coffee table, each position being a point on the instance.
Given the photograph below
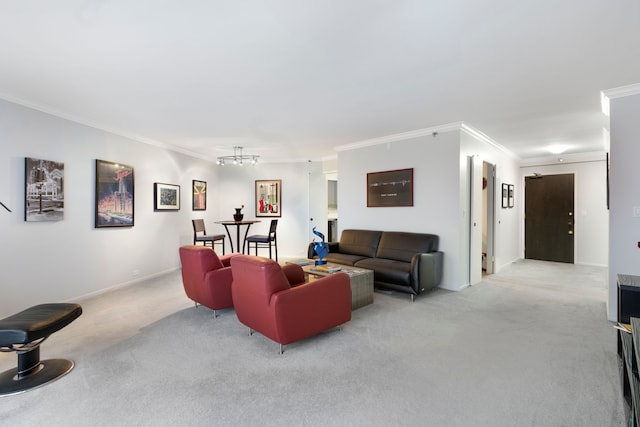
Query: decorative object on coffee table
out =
(320, 248)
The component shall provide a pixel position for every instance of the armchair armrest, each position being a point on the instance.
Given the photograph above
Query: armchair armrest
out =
(426, 271)
(314, 306)
(226, 259)
(294, 273)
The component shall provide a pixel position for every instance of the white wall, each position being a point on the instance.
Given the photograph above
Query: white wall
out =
(236, 185)
(63, 260)
(591, 227)
(70, 259)
(624, 235)
(506, 221)
(440, 172)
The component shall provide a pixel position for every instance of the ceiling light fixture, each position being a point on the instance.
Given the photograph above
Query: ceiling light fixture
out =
(557, 148)
(237, 158)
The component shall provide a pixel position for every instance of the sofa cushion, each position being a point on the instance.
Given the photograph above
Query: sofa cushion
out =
(344, 259)
(388, 270)
(359, 242)
(402, 246)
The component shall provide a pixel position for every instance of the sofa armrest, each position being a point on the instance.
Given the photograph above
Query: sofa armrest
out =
(426, 271)
(334, 247)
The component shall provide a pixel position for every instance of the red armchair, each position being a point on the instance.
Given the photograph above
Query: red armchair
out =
(265, 300)
(206, 277)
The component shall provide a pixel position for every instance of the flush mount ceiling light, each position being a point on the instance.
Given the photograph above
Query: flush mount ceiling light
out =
(557, 148)
(237, 158)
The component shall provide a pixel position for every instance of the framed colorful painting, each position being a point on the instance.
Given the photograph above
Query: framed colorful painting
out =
(114, 195)
(199, 195)
(269, 198)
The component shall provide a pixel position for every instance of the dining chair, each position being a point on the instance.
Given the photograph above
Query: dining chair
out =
(264, 240)
(204, 238)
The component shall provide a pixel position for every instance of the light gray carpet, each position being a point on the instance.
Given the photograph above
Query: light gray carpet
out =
(529, 346)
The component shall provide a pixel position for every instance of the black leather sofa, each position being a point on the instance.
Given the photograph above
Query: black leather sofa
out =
(401, 261)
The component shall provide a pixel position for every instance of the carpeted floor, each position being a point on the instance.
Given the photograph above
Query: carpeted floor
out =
(529, 346)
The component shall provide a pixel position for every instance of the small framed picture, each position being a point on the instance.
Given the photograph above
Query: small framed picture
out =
(114, 195)
(166, 197)
(199, 195)
(505, 195)
(510, 203)
(269, 198)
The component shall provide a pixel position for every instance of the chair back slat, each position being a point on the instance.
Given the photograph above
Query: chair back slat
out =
(198, 226)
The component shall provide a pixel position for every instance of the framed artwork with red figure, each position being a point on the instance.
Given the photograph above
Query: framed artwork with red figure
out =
(269, 198)
(199, 195)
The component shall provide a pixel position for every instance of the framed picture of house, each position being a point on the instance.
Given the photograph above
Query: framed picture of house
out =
(114, 195)
(44, 192)
(199, 195)
(166, 197)
(505, 195)
(390, 188)
(269, 198)
(511, 189)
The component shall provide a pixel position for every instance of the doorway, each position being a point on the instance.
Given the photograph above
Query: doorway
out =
(549, 220)
(488, 217)
(481, 218)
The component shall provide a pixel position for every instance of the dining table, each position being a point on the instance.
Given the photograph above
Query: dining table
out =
(237, 224)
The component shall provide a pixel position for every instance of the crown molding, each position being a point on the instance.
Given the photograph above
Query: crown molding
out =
(450, 127)
(100, 126)
(567, 158)
(487, 140)
(400, 136)
(619, 92)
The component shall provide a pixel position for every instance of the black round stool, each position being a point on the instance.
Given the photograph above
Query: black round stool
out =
(23, 333)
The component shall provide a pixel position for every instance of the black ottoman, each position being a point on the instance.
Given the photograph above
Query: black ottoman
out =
(23, 333)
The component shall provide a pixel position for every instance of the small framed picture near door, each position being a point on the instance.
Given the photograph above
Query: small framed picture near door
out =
(199, 195)
(510, 201)
(505, 195)
(269, 198)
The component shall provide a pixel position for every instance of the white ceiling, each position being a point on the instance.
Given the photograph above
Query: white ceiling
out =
(293, 79)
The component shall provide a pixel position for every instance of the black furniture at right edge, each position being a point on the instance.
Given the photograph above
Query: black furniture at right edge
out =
(401, 261)
(629, 344)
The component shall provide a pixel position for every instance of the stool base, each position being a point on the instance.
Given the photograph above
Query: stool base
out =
(49, 370)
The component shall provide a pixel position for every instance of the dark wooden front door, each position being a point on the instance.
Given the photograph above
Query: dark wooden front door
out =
(549, 218)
